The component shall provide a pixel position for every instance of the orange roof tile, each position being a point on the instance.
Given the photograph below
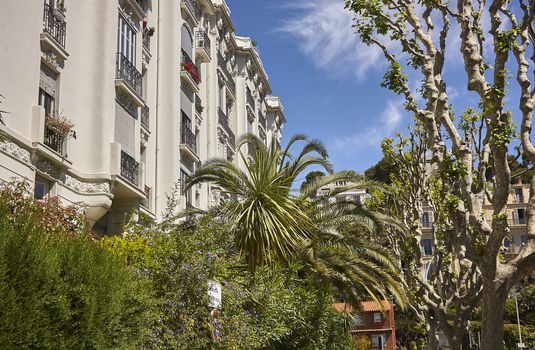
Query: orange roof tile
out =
(373, 306)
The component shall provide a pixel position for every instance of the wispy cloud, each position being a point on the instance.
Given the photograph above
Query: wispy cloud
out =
(387, 122)
(323, 30)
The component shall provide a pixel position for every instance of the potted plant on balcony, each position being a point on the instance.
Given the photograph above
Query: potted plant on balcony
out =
(58, 129)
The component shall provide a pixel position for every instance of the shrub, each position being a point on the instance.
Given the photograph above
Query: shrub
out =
(60, 289)
(272, 309)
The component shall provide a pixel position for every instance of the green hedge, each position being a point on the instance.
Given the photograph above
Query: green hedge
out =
(59, 289)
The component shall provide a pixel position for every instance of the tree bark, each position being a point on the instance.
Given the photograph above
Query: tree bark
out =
(492, 309)
(433, 337)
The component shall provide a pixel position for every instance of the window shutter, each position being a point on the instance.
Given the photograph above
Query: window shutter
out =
(47, 81)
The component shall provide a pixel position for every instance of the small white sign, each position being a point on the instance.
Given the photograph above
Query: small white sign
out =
(214, 293)
(521, 345)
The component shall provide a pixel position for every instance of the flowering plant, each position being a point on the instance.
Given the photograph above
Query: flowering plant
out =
(60, 124)
(192, 70)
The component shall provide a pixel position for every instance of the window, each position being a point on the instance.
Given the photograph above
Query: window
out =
(47, 89)
(377, 317)
(378, 341)
(341, 183)
(426, 221)
(519, 194)
(126, 41)
(519, 216)
(183, 178)
(358, 321)
(186, 121)
(41, 190)
(427, 246)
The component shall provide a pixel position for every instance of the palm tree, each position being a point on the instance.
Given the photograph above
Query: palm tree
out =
(342, 251)
(271, 222)
(266, 219)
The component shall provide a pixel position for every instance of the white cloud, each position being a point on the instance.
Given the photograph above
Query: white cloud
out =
(323, 31)
(389, 120)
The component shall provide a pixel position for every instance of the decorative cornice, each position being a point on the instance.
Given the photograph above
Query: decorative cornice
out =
(15, 150)
(52, 59)
(87, 187)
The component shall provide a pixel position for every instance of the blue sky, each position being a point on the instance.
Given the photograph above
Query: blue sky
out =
(328, 82)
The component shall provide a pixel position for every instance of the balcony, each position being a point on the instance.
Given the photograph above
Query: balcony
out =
(146, 39)
(145, 201)
(189, 72)
(516, 221)
(262, 120)
(54, 25)
(202, 45)
(129, 79)
(129, 168)
(222, 64)
(192, 9)
(250, 100)
(188, 143)
(55, 140)
(427, 224)
(198, 105)
(145, 112)
(223, 121)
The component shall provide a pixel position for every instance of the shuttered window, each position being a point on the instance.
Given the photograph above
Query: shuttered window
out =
(48, 81)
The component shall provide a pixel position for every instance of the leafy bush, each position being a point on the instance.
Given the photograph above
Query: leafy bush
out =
(59, 289)
(272, 309)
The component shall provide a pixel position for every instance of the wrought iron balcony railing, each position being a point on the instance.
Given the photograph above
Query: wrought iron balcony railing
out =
(129, 73)
(202, 40)
(427, 224)
(517, 221)
(223, 65)
(188, 137)
(145, 114)
(190, 67)
(129, 168)
(54, 139)
(54, 25)
(193, 7)
(223, 120)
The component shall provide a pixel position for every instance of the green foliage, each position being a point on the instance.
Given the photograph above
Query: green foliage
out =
(59, 289)
(311, 177)
(266, 220)
(276, 308)
(510, 335)
(381, 171)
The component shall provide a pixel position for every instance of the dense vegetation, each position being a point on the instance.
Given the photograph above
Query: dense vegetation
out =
(60, 289)
(274, 308)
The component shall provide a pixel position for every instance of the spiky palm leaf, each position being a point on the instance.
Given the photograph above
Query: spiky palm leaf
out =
(340, 251)
(267, 222)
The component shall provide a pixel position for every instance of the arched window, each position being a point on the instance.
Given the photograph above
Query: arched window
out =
(187, 40)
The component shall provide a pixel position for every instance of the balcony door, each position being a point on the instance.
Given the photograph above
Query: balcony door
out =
(126, 41)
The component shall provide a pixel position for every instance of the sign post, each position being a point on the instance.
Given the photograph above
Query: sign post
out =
(214, 295)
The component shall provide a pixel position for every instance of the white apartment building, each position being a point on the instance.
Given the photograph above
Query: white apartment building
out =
(111, 102)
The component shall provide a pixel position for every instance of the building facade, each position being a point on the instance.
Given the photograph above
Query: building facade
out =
(373, 322)
(112, 102)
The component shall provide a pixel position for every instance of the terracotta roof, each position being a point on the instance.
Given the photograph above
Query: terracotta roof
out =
(373, 306)
(365, 306)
